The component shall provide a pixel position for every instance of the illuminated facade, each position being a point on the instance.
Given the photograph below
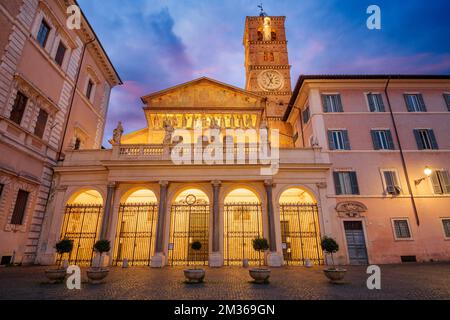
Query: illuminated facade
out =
(152, 209)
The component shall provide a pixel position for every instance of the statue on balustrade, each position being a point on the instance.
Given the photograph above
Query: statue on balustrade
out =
(117, 133)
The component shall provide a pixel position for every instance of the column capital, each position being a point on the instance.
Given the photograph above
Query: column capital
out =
(216, 183)
(112, 184)
(269, 183)
(163, 183)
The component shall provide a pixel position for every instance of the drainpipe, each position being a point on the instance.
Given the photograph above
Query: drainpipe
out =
(402, 156)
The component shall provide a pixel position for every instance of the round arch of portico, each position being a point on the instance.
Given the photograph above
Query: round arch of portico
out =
(73, 192)
(279, 192)
(126, 191)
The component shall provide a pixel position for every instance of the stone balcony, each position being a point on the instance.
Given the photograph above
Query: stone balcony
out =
(159, 153)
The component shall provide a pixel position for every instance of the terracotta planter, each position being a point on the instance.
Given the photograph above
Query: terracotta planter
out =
(335, 275)
(260, 275)
(56, 275)
(194, 275)
(97, 275)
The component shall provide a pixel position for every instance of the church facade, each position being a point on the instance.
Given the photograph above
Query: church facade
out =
(342, 156)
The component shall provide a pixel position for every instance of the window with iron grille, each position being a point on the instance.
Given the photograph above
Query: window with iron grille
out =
(41, 123)
(375, 101)
(425, 139)
(440, 181)
(18, 108)
(382, 140)
(446, 225)
(401, 228)
(306, 115)
(60, 53)
(345, 182)
(43, 33)
(415, 103)
(89, 88)
(338, 140)
(332, 103)
(391, 182)
(20, 207)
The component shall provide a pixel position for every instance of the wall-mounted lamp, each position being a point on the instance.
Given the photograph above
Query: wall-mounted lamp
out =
(427, 171)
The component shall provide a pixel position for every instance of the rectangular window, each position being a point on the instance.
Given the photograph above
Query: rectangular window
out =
(345, 182)
(401, 229)
(20, 207)
(77, 144)
(18, 108)
(1, 189)
(41, 123)
(391, 183)
(375, 102)
(382, 140)
(42, 35)
(306, 115)
(415, 103)
(446, 225)
(447, 100)
(332, 103)
(425, 138)
(60, 53)
(338, 140)
(89, 88)
(440, 181)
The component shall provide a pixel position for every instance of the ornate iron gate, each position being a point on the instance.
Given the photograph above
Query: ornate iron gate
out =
(300, 234)
(242, 224)
(135, 237)
(82, 225)
(189, 223)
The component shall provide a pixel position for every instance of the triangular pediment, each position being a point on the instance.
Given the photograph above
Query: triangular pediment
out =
(201, 94)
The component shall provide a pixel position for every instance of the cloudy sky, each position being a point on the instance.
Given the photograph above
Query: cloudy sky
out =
(155, 44)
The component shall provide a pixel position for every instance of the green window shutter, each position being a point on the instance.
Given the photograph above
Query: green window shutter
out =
(435, 183)
(447, 100)
(423, 107)
(434, 144)
(337, 183)
(325, 103)
(379, 98)
(354, 182)
(375, 140)
(331, 145)
(346, 140)
(419, 141)
(445, 181)
(390, 140)
(370, 98)
(409, 105)
(338, 103)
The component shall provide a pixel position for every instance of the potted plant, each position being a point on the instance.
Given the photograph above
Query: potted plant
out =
(59, 274)
(195, 275)
(260, 275)
(97, 273)
(330, 246)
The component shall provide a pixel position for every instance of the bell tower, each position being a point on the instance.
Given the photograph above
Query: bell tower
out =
(266, 61)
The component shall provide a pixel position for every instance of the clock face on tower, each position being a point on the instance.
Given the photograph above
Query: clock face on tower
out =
(270, 80)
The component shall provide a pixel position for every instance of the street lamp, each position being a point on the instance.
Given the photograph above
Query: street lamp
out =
(427, 172)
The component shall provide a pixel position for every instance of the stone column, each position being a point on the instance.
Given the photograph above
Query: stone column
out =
(274, 259)
(104, 231)
(158, 259)
(215, 258)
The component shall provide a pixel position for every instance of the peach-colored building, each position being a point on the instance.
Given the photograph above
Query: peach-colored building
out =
(54, 95)
(363, 159)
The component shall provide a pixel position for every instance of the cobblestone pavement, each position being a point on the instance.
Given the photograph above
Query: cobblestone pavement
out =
(415, 281)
